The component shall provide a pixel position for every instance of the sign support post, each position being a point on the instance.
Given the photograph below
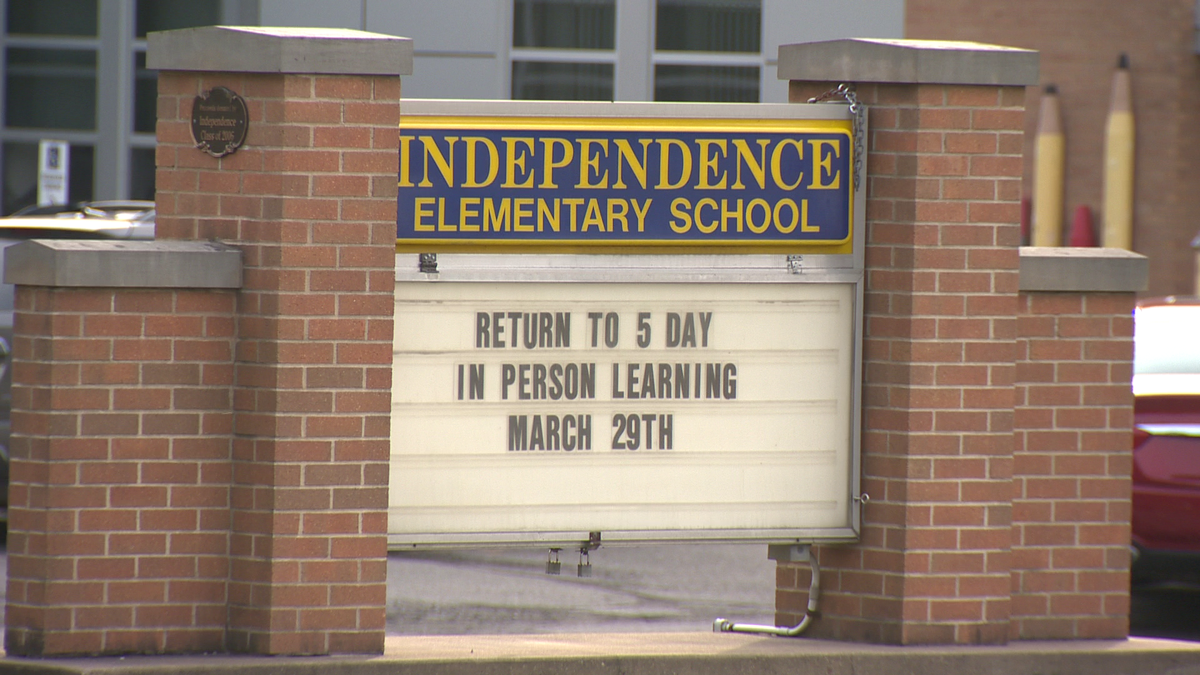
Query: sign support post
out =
(934, 564)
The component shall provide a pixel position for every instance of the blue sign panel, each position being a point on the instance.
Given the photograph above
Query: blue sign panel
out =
(625, 185)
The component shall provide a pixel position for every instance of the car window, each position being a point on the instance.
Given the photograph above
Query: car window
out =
(1166, 339)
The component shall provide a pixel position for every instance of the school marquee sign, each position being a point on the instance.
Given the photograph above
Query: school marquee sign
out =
(562, 375)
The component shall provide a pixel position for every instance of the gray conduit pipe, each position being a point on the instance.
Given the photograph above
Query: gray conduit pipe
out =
(814, 592)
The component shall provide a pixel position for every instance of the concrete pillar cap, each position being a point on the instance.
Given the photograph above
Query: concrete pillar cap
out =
(908, 62)
(1083, 270)
(254, 49)
(90, 263)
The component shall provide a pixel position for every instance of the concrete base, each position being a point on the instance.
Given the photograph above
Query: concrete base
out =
(665, 654)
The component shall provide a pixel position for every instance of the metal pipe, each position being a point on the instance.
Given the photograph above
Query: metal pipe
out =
(814, 592)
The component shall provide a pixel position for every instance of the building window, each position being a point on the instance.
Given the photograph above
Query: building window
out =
(53, 17)
(708, 50)
(717, 84)
(546, 80)
(141, 173)
(709, 26)
(563, 49)
(63, 60)
(564, 24)
(703, 50)
(145, 95)
(20, 168)
(154, 15)
(50, 88)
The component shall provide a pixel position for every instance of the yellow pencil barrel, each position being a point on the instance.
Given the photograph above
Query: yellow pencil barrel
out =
(1049, 168)
(1118, 163)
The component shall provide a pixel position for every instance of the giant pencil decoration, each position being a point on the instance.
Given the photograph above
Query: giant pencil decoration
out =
(1049, 159)
(1118, 162)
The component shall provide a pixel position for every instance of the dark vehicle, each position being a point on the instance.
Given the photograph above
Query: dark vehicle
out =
(87, 220)
(1166, 441)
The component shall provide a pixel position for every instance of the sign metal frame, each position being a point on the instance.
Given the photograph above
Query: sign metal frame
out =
(829, 265)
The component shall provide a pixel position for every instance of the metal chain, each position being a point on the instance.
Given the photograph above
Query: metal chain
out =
(839, 91)
(859, 113)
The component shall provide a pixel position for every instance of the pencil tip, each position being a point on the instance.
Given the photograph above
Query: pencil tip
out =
(1123, 61)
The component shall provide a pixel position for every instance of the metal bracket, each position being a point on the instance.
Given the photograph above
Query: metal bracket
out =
(585, 563)
(427, 263)
(585, 548)
(789, 552)
(795, 263)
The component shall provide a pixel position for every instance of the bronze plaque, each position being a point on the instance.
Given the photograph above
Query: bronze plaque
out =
(219, 121)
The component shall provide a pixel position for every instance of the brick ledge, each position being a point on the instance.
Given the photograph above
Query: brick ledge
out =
(1097, 270)
(123, 264)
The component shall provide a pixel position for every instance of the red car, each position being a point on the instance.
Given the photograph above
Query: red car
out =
(1166, 440)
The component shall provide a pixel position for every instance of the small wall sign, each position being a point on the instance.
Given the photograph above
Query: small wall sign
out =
(54, 159)
(219, 121)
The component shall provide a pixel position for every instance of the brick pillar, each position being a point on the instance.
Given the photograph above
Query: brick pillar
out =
(310, 200)
(1074, 418)
(944, 157)
(119, 497)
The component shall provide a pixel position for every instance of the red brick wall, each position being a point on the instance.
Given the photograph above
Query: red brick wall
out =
(204, 471)
(943, 190)
(1073, 461)
(311, 202)
(119, 495)
(1079, 42)
(997, 423)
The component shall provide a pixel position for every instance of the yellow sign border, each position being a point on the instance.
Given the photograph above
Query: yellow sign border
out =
(658, 246)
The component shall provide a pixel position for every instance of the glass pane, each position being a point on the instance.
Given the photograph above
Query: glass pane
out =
(52, 17)
(537, 80)
(82, 172)
(155, 15)
(709, 26)
(50, 89)
(717, 84)
(145, 95)
(20, 175)
(141, 174)
(565, 24)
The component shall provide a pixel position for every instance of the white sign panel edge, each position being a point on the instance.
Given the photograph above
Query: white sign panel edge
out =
(420, 517)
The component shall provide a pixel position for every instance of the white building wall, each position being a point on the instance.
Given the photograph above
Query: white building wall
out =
(461, 47)
(319, 13)
(792, 21)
